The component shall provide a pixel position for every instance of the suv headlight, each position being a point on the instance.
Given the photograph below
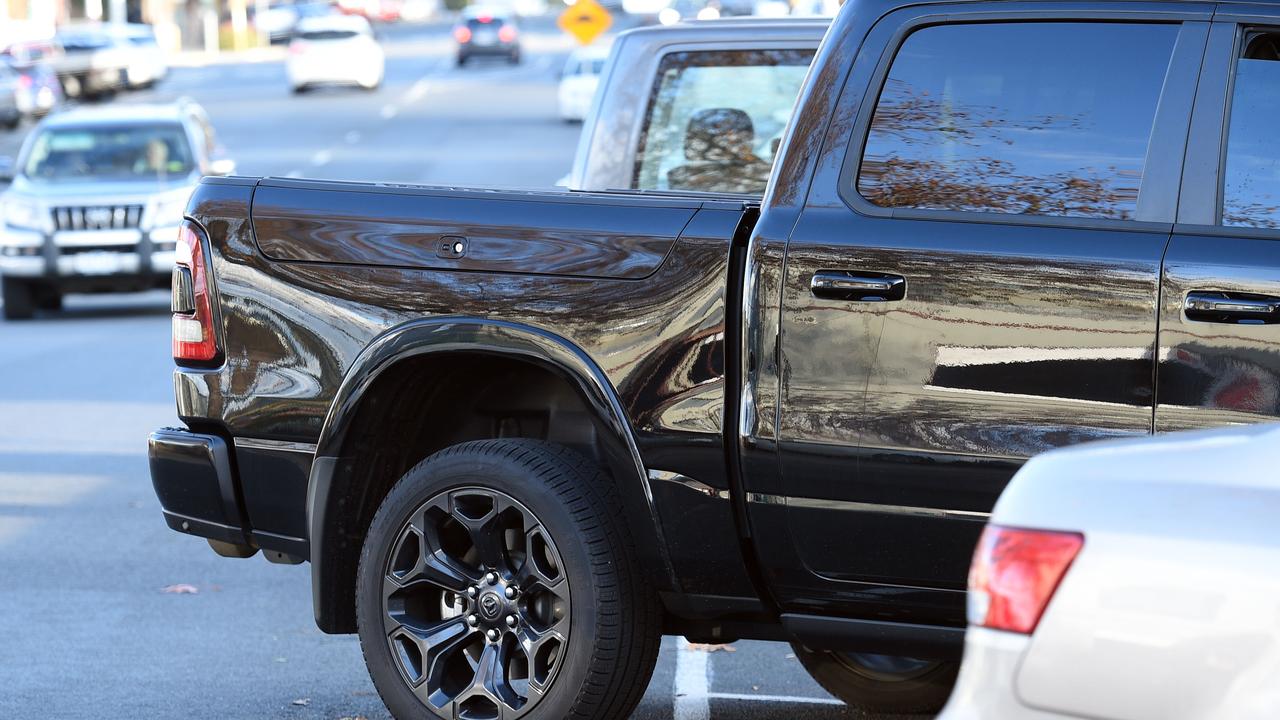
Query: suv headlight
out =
(23, 213)
(167, 210)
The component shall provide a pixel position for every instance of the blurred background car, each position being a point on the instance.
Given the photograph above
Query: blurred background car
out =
(335, 49)
(92, 64)
(578, 81)
(1130, 579)
(276, 20)
(689, 10)
(96, 197)
(39, 91)
(10, 113)
(145, 64)
(487, 32)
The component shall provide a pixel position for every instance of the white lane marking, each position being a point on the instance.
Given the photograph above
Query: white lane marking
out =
(352, 137)
(389, 111)
(418, 90)
(321, 158)
(691, 683)
(774, 698)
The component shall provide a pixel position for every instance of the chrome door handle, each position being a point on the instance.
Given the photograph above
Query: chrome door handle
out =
(863, 287)
(1228, 308)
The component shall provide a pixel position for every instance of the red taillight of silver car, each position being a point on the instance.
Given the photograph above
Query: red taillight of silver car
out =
(194, 337)
(1015, 573)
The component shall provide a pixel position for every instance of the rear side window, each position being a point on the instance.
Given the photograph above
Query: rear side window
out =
(715, 117)
(1251, 184)
(1018, 118)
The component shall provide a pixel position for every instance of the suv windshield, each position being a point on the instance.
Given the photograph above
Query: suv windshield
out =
(129, 152)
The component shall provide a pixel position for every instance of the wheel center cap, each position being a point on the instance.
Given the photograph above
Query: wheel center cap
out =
(491, 605)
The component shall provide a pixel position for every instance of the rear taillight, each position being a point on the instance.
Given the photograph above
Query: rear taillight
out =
(194, 338)
(462, 34)
(507, 33)
(1015, 573)
(25, 81)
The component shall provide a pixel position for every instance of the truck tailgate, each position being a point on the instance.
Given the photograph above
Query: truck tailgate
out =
(553, 233)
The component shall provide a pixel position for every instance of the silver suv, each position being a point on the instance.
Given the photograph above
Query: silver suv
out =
(96, 199)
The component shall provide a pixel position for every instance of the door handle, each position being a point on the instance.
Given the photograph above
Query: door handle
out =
(862, 287)
(1232, 308)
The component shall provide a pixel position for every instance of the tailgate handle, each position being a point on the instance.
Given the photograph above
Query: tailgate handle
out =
(1232, 308)
(862, 287)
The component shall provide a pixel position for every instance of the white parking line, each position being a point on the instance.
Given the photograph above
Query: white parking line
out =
(389, 111)
(321, 158)
(691, 701)
(774, 698)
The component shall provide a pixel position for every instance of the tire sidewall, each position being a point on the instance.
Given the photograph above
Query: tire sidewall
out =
(451, 472)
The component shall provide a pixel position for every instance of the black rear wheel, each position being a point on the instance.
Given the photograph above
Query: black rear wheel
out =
(498, 581)
(881, 683)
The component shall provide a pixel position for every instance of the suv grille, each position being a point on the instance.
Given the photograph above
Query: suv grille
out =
(100, 217)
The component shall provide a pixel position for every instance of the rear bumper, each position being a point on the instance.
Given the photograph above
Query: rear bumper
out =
(193, 478)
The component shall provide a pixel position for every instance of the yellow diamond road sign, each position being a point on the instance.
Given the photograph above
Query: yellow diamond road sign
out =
(585, 20)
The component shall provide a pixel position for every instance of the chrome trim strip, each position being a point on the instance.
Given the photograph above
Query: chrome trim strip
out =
(694, 485)
(819, 503)
(277, 445)
(849, 506)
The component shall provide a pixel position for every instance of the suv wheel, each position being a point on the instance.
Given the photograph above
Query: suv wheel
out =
(881, 683)
(498, 580)
(19, 303)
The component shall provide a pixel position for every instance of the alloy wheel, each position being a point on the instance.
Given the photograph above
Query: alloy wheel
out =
(476, 605)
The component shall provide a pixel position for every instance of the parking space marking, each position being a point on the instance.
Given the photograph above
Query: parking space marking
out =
(691, 697)
(389, 111)
(774, 698)
(321, 158)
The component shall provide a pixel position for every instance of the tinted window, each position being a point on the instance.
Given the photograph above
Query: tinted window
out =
(493, 23)
(1251, 188)
(328, 34)
(1022, 118)
(715, 117)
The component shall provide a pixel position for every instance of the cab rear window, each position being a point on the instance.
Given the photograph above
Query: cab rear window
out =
(1251, 178)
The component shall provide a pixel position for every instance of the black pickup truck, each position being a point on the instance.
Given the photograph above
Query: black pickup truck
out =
(519, 436)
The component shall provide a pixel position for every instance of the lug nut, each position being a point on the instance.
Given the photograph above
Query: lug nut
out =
(512, 621)
(511, 592)
(473, 591)
(491, 578)
(493, 635)
(472, 620)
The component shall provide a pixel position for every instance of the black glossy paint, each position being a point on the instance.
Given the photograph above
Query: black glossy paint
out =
(851, 462)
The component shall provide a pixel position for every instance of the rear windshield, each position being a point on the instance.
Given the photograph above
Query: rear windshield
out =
(494, 23)
(715, 119)
(129, 152)
(328, 34)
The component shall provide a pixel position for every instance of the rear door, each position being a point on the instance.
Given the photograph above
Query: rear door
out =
(1220, 315)
(975, 281)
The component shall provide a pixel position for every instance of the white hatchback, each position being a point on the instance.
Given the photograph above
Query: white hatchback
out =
(578, 81)
(335, 49)
(1135, 580)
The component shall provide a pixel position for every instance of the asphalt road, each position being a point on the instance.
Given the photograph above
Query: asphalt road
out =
(90, 625)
